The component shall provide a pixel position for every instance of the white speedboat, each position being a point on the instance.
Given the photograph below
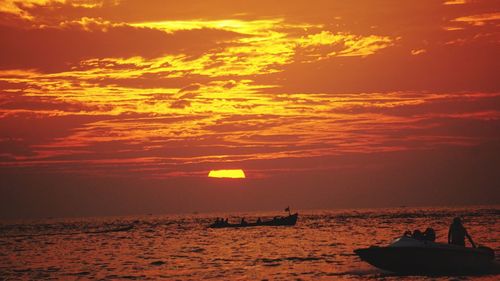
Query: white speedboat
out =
(411, 256)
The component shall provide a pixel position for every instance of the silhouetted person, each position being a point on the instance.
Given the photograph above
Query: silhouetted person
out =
(430, 234)
(259, 221)
(243, 222)
(226, 222)
(457, 233)
(417, 234)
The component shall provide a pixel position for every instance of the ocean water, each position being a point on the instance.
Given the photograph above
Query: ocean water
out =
(181, 247)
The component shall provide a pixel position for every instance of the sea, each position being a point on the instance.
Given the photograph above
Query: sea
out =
(181, 247)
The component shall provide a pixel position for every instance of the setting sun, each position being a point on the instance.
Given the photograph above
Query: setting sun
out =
(233, 174)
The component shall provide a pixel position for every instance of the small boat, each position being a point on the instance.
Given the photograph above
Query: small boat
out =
(289, 220)
(118, 229)
(407, 255)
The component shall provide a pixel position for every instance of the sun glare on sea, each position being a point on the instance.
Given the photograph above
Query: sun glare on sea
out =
(233, 174)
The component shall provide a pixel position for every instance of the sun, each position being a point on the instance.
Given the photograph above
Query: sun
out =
(233, 174)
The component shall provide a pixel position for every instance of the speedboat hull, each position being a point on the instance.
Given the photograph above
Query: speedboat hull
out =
(425, 257)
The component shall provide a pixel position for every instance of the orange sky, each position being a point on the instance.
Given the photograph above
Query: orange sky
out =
(122, 107)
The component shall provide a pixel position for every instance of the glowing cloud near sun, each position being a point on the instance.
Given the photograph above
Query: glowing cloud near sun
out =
(233, 174)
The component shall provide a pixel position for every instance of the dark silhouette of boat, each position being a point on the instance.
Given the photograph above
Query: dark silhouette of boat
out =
(407, 255)
(289, 220)
(118, 229)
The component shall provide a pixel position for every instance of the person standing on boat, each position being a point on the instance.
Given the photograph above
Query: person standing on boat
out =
(457, 233)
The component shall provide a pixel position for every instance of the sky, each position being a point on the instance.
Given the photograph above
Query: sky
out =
(124, 106)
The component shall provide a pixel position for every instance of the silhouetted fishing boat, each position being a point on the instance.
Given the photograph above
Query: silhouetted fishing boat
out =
(411, 256)
(118, 229)
(289, 220)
